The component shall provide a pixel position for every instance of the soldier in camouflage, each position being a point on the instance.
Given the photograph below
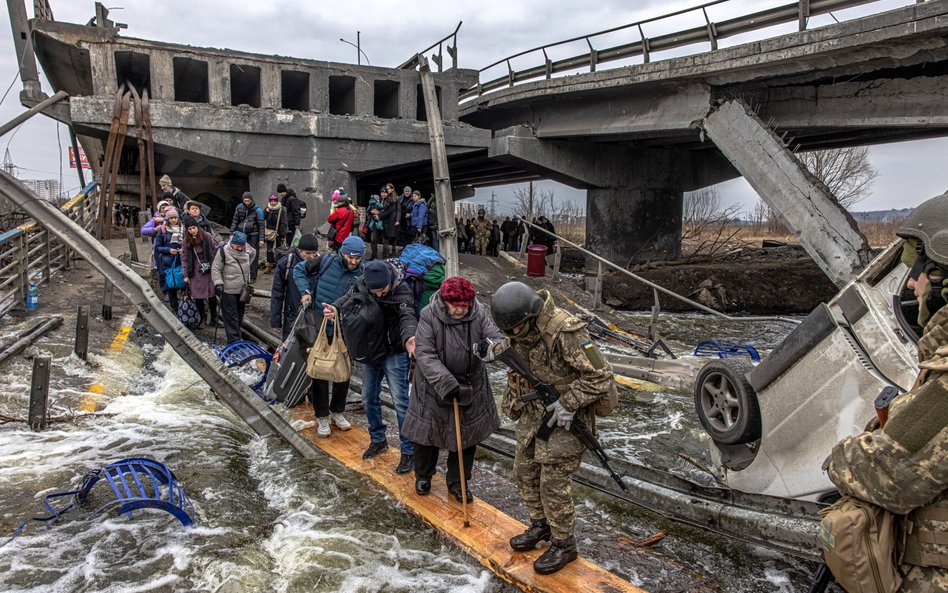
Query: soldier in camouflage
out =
(560, 352)
(482, 228)
(903, 467)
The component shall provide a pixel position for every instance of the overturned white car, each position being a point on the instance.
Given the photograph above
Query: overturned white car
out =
(773, 424)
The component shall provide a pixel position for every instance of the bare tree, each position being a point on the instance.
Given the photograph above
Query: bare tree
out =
(847, 172)
(706, 227)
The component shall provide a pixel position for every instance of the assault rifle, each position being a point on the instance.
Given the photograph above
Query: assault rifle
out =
(548, 394)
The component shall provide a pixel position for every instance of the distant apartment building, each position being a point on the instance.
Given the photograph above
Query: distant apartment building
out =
(48, 189)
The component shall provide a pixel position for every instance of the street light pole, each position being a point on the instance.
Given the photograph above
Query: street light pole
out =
(358, 46)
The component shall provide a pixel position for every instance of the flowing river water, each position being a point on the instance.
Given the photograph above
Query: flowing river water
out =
(268, 520)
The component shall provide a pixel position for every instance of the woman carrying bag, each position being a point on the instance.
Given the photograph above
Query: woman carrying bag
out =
(447, 371)
(168, 239)
(198, 257)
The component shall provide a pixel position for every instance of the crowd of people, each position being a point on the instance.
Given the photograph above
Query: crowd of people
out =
(432, 356)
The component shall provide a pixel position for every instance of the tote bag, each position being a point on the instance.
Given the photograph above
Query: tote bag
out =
(174, 276)
(329, 362)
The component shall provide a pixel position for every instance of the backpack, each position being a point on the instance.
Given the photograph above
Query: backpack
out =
(361, 317)
(859, 545)
(418, 259)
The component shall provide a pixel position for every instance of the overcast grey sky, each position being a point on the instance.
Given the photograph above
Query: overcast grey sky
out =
(391, 32)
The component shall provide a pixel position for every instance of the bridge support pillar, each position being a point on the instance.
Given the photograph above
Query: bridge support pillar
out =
(314, 187)
(802, 203)
(630, 225)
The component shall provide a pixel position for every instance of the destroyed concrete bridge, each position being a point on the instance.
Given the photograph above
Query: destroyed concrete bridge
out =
(635, 137)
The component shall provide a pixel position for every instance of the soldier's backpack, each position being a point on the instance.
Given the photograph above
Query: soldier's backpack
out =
(858, 540)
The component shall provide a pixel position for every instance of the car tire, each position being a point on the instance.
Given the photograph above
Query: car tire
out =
(726, 403)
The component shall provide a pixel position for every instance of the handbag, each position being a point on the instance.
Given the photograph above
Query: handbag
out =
(246, 292)
(331, 233)
(329, 362)
(188, 311)
(271, 234)
(174, 276)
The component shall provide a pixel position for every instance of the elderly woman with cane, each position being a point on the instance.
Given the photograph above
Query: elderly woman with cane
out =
(451, 406)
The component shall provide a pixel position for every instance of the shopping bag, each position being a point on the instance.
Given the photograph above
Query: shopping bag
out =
(329, 362)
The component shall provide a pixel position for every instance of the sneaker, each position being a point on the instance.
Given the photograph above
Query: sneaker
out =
(322, 427)
(340, 421)
(375, 449)
(405, 464)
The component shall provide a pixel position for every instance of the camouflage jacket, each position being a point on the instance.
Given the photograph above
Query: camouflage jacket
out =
(481, 228)
(560, 352)
(904, 466)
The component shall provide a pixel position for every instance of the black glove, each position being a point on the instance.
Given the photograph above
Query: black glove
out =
(219, 290)
(453, 394)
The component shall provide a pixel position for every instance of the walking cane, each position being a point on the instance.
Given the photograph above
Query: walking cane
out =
(457, 434)
(219, 311)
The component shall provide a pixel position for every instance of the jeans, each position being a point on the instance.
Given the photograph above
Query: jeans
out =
(395, 370)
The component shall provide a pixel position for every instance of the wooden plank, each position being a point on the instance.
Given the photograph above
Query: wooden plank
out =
(485, 540)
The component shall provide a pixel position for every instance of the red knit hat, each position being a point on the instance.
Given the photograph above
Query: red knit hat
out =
(457, 291)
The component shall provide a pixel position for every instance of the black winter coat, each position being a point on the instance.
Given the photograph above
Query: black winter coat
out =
(394, 315)
(247, 221)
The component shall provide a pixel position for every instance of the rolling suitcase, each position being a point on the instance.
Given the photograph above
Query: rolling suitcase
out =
(287, 381)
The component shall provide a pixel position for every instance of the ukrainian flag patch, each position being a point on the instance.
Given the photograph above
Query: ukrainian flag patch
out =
(588, 345)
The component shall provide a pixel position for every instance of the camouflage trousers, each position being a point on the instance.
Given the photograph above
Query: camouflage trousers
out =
(480, 245)
(547, 489)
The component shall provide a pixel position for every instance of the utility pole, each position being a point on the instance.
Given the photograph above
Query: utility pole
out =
(493, 205)
(439, 163)
(530, 202)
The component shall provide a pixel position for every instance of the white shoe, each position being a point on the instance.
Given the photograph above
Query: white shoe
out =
(340, 421)
(322, 427)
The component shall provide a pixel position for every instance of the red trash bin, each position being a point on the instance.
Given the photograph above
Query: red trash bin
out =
(536, 260)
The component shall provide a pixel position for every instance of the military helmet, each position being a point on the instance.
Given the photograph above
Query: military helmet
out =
(928, 223)
(514, 303)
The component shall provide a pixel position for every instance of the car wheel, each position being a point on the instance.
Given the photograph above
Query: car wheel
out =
(726, 403)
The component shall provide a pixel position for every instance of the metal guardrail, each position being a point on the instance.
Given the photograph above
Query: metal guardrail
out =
(30, 253)
(710, 32)
(655, 287)
(438, 57)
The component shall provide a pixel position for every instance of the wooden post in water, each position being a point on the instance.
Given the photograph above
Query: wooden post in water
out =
(107, 301)
(444, 200)
(82, 332)
(39, 393)
(132, 249)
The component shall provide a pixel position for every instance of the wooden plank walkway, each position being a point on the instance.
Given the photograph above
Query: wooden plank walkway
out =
(490, 529)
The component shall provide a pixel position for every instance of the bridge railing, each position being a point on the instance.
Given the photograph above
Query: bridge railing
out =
(30, 254)
(710, 32)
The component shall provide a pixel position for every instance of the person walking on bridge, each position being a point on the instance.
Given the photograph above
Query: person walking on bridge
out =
(248, 219)
(378, 315)
(559, 351)
(231, 275)
(285, 297)
(447, 370)
(325, 280)
(198, 256)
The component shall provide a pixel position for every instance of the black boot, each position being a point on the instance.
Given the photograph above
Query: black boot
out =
(423, 486)
(561, 553)
(539, 531)
(375, 449)
(406, 463)
(455, 490)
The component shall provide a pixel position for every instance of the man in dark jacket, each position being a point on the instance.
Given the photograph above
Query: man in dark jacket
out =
(390, 215)
(389, 314)
(433, 235)
(285, 297)
(248, 219)
(294, 209)
(178, 197)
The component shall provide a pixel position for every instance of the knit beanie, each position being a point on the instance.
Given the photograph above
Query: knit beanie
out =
(377, 274)
(353, 246)
(281, 187)
(308, 242)
(190, 221)
(238, 238)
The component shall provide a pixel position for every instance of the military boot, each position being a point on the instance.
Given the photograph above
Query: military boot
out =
(539, 531)
(560, 553)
